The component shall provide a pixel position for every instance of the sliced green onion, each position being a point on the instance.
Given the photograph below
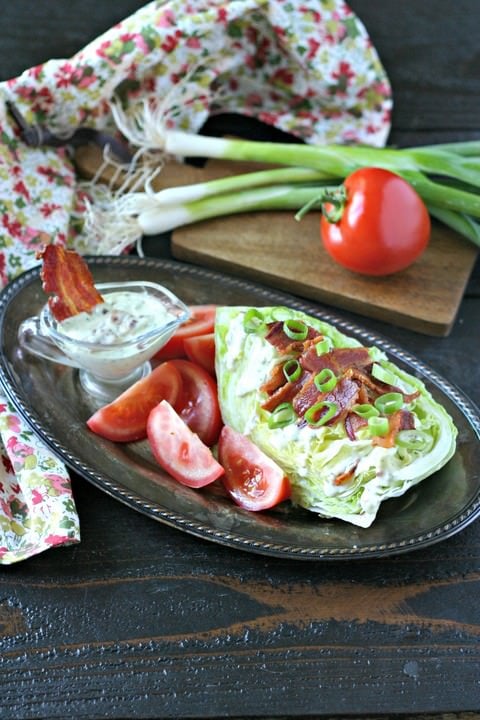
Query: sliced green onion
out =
(389, 403)
(411, 439)
(253, 321)
(325, 380)
(365, 410)
(281, 313)
(378, 426)
(295, 329)
(292, 370)
(311, 416)
(283, 415)
(323, 346)
(384, 375)
(446, 176)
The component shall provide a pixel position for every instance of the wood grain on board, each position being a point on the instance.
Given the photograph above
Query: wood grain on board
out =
(273, 248)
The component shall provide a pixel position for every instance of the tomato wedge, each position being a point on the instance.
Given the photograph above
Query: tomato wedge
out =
(252, 479)
(197, 403)
(125, 419)
(178, 450)
(201, 322)
(201, 350)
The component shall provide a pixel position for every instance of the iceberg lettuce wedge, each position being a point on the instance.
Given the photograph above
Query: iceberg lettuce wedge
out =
(314, 458)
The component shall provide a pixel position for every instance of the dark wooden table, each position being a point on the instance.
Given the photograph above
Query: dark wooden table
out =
(140, 620)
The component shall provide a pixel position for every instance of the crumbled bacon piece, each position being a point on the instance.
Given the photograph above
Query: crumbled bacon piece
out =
(353, 423)
(345, 476)
(344, 395)
(377, 386)
(285, 393)
(399, 420)
(275, 381)
(338, 360)
(66, 276)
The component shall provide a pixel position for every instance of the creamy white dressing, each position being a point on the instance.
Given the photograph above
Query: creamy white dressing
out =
(119, 334)
(124, 315)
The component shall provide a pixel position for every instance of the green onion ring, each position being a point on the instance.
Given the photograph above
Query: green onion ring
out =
(365, 410)
(378, 426)
(283, 415)
(295, 329)
(312, 412)
(411, 439)
(384, 375)
(323, 346)
(281, 313)
(292, 370)
(389, 403)
(253, 321)
(325, 380)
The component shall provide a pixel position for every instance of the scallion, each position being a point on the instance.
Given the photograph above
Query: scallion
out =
(292, 370)
(389, 403)
(411, 439)
(295, 329)
(447, 177)
(283, 415)
(320, 413)
(365, 410)
(325, 380)
(323, 346)
(383, 374)
(377, 426)
(280, 313)
(253, 321)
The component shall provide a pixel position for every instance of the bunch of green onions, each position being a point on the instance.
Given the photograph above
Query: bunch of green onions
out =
(446, 176)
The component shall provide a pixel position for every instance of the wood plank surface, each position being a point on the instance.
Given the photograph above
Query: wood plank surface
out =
(272, 247)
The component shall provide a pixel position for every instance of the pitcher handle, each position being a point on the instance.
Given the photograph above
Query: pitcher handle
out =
(32, 340)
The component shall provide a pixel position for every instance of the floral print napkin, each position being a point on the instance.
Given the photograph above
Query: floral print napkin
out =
(306, 67)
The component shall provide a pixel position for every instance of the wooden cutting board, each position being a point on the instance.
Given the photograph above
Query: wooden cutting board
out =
(275, 249)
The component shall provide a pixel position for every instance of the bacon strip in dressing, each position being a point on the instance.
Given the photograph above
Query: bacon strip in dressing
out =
(65, 275)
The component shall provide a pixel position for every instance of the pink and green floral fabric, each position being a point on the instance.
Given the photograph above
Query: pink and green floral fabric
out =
(306, 67)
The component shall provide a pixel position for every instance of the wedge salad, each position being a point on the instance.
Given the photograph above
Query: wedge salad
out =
(347, 426)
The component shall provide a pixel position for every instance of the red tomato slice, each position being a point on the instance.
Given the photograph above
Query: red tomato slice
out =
(178, 450)
(197, 403)
(125, 419)
(252, 479)
(201, 350)
(201, 322)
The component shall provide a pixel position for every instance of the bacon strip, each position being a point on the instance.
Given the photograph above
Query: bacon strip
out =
(66, 276)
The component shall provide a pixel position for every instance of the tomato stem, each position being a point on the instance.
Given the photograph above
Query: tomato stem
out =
(331, 201)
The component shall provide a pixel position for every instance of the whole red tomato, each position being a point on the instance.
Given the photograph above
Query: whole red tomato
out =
(384, 226)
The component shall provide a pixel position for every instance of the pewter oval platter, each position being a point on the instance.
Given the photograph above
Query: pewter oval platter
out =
(49, 396)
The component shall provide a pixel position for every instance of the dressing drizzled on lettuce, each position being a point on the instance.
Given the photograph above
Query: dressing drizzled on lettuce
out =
(339, 469)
